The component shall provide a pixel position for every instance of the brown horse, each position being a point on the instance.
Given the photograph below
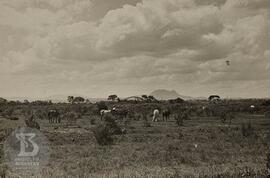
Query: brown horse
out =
(166, 115)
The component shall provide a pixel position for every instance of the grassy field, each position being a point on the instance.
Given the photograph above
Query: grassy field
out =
(203, 147)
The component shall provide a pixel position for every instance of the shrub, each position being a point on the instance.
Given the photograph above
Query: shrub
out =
(180, 116)
(31, 122)
(105, 130)
(110, 122)
(103, 135)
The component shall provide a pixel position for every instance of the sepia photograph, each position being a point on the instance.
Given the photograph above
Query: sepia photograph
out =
(135, 88)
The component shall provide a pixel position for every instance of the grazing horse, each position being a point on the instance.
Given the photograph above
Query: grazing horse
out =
(103, 112)
(155, 115)
(166, 114)
(54, 116)
(252, 109)
(120, 113)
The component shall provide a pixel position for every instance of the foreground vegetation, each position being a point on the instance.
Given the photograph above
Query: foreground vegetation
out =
(203, 145)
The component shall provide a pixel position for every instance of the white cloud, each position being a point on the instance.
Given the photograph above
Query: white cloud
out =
(180, 44)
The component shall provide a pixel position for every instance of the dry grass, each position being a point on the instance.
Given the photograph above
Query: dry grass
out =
(206, 148)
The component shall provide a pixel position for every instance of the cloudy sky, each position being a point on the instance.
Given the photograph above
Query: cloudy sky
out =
(129, 47)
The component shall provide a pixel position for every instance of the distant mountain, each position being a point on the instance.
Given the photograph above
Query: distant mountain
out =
(166, 95)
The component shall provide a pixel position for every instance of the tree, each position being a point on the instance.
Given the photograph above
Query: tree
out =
(78, 100)
(152, 98)
(26, 102)
(3, 100)
(112, 97)
(145, 97)
(88, 101)
(70, 99)
(177, 100)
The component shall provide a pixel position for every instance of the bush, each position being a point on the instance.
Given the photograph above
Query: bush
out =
(104, 131)
(180, 117)
(103, 135)
(32, 123)
(112, 125)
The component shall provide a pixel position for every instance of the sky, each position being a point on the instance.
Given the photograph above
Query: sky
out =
(129, 47)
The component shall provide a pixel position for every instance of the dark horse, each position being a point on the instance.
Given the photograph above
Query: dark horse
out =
(120, 113)
(54, 116)
(166, 114)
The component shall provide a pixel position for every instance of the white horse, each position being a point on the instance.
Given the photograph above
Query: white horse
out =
(103, 112)
(155, 115)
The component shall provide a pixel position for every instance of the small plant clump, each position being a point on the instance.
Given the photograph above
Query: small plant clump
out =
(103, 135)
(180, 117)
(105, 130)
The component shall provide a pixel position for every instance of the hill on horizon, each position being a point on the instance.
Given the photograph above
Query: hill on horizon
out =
(163, 94)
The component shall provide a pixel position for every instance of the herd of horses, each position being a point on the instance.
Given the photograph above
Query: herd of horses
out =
(54, 116)
(122, 114)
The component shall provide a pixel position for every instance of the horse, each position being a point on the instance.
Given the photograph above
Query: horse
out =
(155, 115)
(54, 116)
(166, 114)
(103, 112)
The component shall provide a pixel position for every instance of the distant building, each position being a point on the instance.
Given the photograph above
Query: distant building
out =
(214, 98)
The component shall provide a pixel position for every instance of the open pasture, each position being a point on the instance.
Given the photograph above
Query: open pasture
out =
(202, 146)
